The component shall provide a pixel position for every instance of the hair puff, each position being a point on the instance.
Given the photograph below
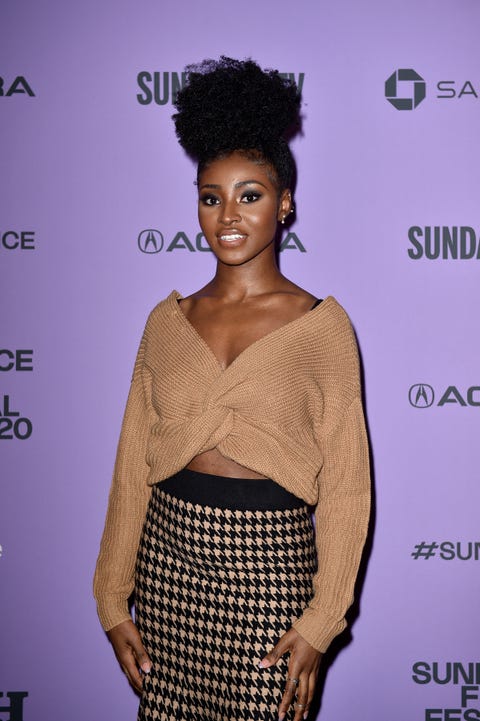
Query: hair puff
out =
(230, 105)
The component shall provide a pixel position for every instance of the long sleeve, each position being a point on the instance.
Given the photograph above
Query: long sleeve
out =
(128, 500)
(259, 412)
(341, 521)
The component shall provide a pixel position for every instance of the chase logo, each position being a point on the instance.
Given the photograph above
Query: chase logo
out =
(395, 94)
(421, 395)
(150, 241)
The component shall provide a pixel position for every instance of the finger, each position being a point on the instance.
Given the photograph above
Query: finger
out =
(300, 704)
(131, 671)
(141, 655)
(312, 683)
(276, 652)
(288, 697)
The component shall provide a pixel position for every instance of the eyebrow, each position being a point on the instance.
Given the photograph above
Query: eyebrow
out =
(240, 184)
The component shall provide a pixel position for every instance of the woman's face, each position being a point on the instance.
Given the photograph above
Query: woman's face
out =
(239, 207)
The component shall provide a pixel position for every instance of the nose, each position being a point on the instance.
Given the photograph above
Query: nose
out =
(229, 213)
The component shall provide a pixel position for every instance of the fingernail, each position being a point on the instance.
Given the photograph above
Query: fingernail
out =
(281, 716)
(145, 667)
(263, 663)
(305, 715)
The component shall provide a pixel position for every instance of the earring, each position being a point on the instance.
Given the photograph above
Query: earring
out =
(283, 220)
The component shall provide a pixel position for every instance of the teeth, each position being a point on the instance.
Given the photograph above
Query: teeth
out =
(230, 236)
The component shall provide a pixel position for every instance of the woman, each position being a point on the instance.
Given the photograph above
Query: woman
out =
(244, 412)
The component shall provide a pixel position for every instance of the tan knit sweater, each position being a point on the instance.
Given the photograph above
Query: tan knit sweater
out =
(288, 407)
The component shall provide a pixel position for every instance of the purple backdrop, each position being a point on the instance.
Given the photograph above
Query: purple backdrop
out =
(386, 198)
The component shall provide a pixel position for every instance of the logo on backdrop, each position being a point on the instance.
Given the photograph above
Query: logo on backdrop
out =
(410, 93)
(15, 86)
(12, 705)
(443, 242)
(152, 241)
(16, 360)
(447, 550)
(405, 89)
(12, 424)
(465, 677)
(422, 395)
(162, 87)
(17, 240)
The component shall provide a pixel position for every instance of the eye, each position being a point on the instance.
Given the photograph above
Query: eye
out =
(250, 196)
(209, 199)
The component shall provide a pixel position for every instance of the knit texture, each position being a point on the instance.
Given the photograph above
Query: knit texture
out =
(288, 407)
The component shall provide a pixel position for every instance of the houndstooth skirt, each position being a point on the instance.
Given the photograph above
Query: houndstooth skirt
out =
(215, 589)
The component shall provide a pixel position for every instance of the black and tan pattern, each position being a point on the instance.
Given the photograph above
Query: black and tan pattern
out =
(215, 589)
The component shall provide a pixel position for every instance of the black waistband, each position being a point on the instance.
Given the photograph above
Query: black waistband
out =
(245, 494)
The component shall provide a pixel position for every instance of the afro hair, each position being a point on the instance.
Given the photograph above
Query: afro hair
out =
(231, 105)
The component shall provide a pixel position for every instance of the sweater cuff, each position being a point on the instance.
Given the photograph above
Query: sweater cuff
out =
(317, 629)
(112, 610)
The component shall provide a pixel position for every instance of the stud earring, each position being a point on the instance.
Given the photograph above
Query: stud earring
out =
(283, 220)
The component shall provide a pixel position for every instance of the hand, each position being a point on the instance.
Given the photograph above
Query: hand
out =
(303, 665)
(130, 652)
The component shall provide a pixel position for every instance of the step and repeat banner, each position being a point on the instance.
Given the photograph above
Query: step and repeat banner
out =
(98, 223)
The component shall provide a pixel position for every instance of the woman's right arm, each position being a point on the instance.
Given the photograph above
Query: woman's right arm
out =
(127, 505)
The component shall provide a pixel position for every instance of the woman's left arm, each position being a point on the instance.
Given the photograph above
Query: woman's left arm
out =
(341, 524)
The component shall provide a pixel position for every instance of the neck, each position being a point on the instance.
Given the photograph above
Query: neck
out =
(237, 282)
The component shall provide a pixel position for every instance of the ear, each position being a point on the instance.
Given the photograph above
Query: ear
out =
(285, 204)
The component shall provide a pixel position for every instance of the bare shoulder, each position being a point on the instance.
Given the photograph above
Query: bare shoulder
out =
(197, 301)
(294, 299)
